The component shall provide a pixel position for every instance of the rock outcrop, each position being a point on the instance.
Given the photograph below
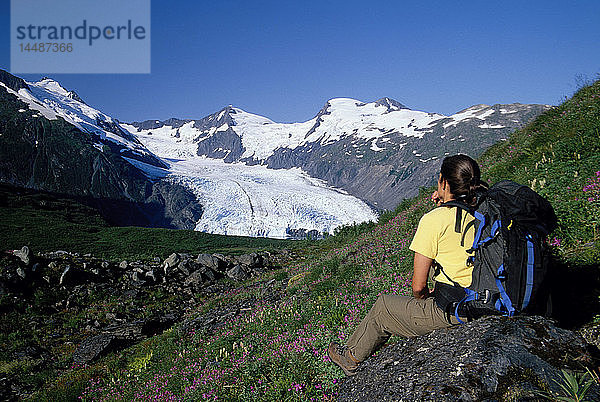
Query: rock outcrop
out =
(65, 282)
(490, 359)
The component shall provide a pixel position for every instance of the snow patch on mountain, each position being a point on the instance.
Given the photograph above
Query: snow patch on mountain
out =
(486, 125)
(166, 142)
(261, 136)
(347, 116)
(52, 101)
(477, 111)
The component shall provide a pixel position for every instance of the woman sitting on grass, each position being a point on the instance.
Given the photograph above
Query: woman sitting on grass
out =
(437, 241)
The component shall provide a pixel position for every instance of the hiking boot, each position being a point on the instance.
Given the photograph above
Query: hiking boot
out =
(341, 356)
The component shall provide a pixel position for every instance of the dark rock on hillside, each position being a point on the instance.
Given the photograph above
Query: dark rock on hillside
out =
(237, 273)
(212, 147)
(14, 83)
(118, 336)
(390, 104)
(154, 124)
(75, 96)
(215, 262)
(174, 205)
(490, 359)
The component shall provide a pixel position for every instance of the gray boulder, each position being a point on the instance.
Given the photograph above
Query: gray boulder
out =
(212, 262)
(187, 266)
(223, 262)
(209, 273)
(152, 276)
(248, 260)
(194, 280)
(237, 273)
(170, 263)
(96, 346)
(93, 347)
(172, 260)
(493, 358)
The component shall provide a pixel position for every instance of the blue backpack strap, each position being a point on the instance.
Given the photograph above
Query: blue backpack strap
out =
(529, 280)
(470, 295)
(493, 232)
(503, 303)
(481, 218)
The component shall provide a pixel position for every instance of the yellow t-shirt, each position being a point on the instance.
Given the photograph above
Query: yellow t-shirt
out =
(436, 238)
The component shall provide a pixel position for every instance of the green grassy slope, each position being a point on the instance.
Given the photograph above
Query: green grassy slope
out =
(46, 222)
(276, 351)
(558, 155)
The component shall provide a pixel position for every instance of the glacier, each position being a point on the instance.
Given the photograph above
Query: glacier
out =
(244, 200)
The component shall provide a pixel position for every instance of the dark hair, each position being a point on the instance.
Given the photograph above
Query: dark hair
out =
(464, 178)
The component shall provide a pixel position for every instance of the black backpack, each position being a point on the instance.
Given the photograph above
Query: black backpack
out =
(510, 258)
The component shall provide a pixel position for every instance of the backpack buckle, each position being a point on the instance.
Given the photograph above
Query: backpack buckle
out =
(470, 261)
(485, 296)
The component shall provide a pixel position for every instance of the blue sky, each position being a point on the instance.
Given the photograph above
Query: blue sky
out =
(284, 59)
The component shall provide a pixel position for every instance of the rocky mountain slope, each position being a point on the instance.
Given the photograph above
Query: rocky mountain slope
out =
(379, 152)
(51, 140)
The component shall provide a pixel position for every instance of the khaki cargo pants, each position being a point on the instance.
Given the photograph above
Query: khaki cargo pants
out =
(396, 315)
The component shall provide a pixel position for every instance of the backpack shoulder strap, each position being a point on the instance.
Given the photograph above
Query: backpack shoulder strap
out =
(460, 206)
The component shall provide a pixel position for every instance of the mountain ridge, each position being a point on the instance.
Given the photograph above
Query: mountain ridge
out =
(52, 142)
(356, 146)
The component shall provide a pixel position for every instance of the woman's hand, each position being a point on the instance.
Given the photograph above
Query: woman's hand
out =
(435, 197)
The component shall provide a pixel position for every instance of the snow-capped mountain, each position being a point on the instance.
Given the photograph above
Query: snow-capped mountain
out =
(51, 101)
(234, 172)
(50, 140)
(106, 162)
(380, 152)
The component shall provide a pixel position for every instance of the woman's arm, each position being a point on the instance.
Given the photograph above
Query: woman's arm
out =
(420, 275)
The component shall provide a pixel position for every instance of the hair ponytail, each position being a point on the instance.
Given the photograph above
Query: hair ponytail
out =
(463, 176)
